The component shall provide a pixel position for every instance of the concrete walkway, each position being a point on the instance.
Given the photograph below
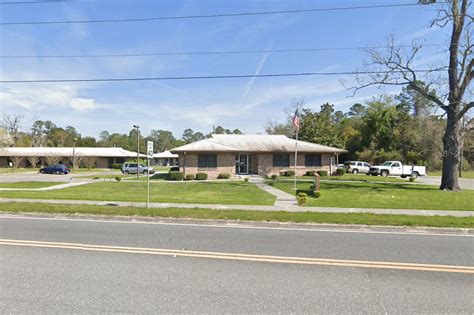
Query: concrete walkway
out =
(55, 187)
(283, 199)
(292, 208)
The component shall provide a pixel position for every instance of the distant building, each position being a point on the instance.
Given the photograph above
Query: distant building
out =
(84, 156)
(254, 154)
(166, 158)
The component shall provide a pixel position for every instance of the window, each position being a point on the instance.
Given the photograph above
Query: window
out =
(312, 160)
(366, 165)
(396, 164)
(282, 160)
(207, 161)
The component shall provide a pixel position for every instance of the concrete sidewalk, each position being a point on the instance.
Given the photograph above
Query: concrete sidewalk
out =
(292, 208)
(283, 199)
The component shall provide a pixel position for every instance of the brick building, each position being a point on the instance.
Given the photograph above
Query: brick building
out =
(254, 154)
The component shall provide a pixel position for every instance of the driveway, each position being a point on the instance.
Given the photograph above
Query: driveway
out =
(464, 183)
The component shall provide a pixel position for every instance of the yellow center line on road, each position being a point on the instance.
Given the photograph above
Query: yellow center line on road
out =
(244, 257)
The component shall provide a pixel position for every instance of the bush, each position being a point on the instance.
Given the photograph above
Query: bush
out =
(317, 194)
(201, 176)
(246, 179)
(190, 177)
(322, 173)
(289, 173)
(116, 166)
(223, 176)
(176, 175)
(274, 177)
(301, 198)
(310, 173)
(340, 171)
(282, 173)
(412, 179)
(118, 178)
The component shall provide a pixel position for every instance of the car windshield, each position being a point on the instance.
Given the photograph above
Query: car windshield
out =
(388, 163)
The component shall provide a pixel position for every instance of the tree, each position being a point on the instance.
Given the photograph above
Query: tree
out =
(163, 140)
(396, 66)
(33, 161)
(190, 136)
(11, 124)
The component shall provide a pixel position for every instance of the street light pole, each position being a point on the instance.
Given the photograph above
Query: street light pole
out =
(138, 145)
(74, 154)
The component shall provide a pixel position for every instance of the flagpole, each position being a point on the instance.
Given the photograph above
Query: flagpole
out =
(296, 157)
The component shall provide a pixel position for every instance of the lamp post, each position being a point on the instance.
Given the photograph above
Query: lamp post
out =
(74, 153)
(138, 145)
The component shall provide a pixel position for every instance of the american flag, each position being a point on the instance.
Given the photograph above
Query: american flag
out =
(296, 120)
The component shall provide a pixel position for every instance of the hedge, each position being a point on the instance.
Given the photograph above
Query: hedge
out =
(201, 176)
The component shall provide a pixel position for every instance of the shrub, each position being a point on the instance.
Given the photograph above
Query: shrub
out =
(289, 173)
(412, 179)
(201, 176)
(176, 175)
(116, 166)
(282, 173)
(95, 177)
(340, 171)
(310, 173)
(322, 173)
(190, 177)
(274, 177)
(246, 179)
(317, 194)
(301, 198)
(223, 176)
(118, 178)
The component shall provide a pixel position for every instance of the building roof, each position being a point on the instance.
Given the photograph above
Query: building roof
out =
(254, 143)
(165, 155)
(67, 151)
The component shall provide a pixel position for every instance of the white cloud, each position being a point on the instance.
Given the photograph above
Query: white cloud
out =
(82, 104)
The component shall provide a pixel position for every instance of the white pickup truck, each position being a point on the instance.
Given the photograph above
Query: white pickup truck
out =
(396, 168)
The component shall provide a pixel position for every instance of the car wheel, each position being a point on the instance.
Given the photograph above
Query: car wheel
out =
(355, 171)
(126, 173)
(403, 176)
(415, 175)
(384, 173)
(145, 172)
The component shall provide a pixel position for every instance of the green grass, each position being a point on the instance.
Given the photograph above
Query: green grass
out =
(187, 192)
(275, 216)
(351, 177)
(387, 196)
(6, 170)
(29, 184)
(465, 174)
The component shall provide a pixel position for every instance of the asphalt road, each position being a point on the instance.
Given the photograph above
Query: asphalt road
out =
(82, 277)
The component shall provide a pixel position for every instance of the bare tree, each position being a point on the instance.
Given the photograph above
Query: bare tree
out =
(17, 161)
(397, 66)
(89, 161)
(33, 160)
(51, 160)
(11, 124)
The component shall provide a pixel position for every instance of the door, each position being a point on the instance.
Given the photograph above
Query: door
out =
(396, 169)
(242, 164)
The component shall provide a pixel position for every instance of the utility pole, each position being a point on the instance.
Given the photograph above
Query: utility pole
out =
(138, 146)
(74, 154)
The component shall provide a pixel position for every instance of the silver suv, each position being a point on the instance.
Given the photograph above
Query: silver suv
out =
(356, 167)
(131, 168)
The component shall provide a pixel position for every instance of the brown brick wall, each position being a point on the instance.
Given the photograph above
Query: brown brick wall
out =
(225, 164)
(265, 164)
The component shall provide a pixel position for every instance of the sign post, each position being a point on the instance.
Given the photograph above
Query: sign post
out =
(149, 156)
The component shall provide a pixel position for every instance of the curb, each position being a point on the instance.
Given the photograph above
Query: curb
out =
(250, 224)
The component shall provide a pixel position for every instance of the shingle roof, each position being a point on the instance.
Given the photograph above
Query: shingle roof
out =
(67, 151)
(253, 143)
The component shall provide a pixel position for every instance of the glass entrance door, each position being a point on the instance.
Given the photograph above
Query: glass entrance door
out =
(242, 163)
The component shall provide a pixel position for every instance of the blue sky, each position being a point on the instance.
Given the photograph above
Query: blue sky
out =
(247, 104)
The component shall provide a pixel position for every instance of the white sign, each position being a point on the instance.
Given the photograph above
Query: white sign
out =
(149, 149)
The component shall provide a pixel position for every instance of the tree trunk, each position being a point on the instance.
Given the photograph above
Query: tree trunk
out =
(451, 143)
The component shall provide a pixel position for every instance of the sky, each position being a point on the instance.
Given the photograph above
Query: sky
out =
(244, 103)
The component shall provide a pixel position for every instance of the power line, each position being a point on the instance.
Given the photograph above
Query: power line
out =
(217, 15)
(33, 2)
(270, 75)
(222, 52)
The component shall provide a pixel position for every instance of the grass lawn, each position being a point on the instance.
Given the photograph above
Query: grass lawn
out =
(351, 177)
(7, 170)
(388, 196)
(29, 184)
(465, 174)
(275, 216)
(241, 193)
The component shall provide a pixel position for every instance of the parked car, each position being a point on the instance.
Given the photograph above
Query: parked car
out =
(131, 168)
(356, 167)
(396, 168)
(55, 169)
